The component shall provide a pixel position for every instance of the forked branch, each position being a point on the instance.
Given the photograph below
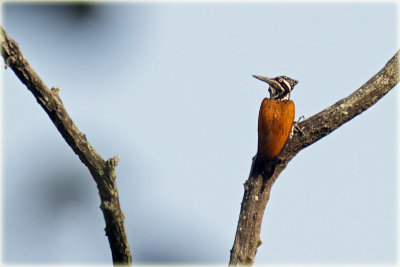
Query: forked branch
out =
(103, 171)
(257, 189)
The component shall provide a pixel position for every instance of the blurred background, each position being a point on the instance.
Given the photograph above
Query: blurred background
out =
(168, 88)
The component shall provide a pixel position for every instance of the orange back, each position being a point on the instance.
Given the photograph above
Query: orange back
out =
(275, 122)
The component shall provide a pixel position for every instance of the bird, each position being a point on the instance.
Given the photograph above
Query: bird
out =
(275, 122)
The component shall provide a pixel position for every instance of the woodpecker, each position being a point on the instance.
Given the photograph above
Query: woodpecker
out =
(275, 122)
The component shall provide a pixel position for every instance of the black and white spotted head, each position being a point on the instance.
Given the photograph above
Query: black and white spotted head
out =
(279, 87)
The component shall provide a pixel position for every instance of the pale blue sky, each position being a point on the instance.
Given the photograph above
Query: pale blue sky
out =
(168, 88)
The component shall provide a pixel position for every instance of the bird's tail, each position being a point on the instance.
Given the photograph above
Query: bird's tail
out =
(263, 167)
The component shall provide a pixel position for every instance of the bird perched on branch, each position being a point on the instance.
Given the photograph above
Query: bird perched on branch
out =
(275, 122)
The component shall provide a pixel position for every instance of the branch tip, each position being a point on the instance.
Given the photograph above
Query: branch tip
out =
(55, 89)
(112, 162)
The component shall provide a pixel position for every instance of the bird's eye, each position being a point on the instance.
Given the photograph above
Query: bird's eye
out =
(280, 80)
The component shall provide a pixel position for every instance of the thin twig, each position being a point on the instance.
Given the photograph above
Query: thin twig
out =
(103, 171)
(257, 189)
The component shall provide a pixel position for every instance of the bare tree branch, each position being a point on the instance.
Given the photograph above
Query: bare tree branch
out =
(103, 171)
(258, 188)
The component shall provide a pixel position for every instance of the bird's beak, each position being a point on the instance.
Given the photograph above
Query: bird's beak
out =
(265, 79)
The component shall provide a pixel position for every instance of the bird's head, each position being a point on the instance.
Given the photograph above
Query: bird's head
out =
(279, 87)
